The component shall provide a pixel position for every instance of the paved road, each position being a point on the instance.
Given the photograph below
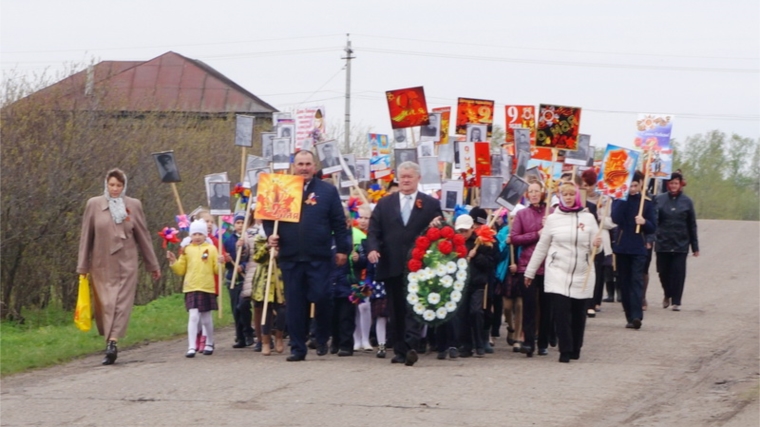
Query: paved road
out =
(692, 368)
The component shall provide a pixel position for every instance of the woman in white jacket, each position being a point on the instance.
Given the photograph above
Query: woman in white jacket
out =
(565, 243)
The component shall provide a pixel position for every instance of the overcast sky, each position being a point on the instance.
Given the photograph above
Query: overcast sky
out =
(698, 60)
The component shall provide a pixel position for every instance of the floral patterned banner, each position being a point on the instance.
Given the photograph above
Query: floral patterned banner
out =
(407, 107)
(279, 197)
(558, 127)
(616, 173)
(475, 111)
(653, 136)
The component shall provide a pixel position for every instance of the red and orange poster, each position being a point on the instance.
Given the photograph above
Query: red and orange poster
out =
(445, 121)
(520, 117)
(407, 107)
(475, 111)
(279, 197)
(482, 160)
(558, 127)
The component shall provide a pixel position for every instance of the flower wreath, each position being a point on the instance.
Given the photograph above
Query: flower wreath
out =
(437, 274)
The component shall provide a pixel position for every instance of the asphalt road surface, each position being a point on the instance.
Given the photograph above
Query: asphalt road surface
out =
(697, 367)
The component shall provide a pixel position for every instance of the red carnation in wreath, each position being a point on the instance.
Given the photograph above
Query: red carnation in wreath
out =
(422, 242)
(414, 265)
(418, 254)
(458, 240)
(445, 247)
(462, 251)
(433, 234)
(448, 232)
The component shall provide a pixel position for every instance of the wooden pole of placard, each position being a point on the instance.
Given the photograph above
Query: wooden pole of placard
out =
(269, 278)
(220, 272)
(643, 190)
(176, 198)
(551, 181)
(604, 210)
(242, 166)
(242, 236)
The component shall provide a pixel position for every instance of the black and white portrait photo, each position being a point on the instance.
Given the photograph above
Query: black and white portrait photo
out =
(267, 144)
(252, 176)
(255, 162)
(512, 193)
(522, 140)
(399, 138)
(328, 154)
(523, 157)
(580, 156)
(496, 165)
(432, 131)
(287, 130)
(451, 194)
(533, 175)
(405, 155)
(243, 131)
(490, 187)
(281, 153)
(362, 170)
(476, 133)
(219, 197)
(349, 160)
(167, 167)
(431, 177)
(425, 149)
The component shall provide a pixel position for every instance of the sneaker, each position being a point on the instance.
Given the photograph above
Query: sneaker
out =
(208, 350)
(665, 302)
(381, 351)
(368, 348)
(676, 307)
(636, 323)
(190, 353)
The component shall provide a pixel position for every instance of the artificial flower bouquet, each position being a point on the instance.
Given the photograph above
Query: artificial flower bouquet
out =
(437, 274)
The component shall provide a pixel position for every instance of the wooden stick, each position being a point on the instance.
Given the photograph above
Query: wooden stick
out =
(551, 187)
(485, 297)
(242, 166)
(242, 236)
(643, 190)
(176, 198)
(269, 278)
(220, 272)
(605, 208)
(311, 311)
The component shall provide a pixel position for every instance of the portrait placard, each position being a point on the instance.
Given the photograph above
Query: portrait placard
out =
(512, 193)
(218, 196)
(252, 178)
(404, 155)
(281, 153)
(348, 171)
(425, 149)
(267, 144)
(430, 176)
(362, 170)
(580, 156)
(329, 156)
(451, 194)
(243, 130)
(431, 132)
(167, 167)
(490, 188)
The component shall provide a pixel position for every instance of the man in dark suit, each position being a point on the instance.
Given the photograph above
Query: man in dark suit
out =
(281, 151)
(304, 256)
(395, 224)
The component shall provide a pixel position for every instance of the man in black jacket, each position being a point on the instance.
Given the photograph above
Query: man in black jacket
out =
(395, 224)
(304, 252)
(676, 230)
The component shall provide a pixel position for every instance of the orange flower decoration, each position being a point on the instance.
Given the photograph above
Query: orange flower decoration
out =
(486, 235)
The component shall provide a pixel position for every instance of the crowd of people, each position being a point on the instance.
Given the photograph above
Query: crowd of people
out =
(335, 281)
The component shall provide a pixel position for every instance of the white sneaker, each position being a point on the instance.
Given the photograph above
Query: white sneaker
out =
(190, 353)
(368, 347)
(676, 307)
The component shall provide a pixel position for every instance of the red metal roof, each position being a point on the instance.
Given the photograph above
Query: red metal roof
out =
(170, 82)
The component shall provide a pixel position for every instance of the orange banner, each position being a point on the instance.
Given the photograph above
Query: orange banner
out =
(475, 111)
(407, 107)
(445, 120)
(279, 197)
(520, 117)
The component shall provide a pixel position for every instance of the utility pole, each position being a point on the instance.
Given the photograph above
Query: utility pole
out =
(348, 59)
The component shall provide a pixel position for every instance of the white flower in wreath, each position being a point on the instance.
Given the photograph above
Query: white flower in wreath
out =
(441, 313)
(441, 270)
(412, 299)
(458, 285)
(428, 315)
(456, 296)
(413, 277)
(462, 264)
(413, 287)
(462, 275)
(419, 308)
(450, 306)
(446, 281)
(434, 298)
(451, 267)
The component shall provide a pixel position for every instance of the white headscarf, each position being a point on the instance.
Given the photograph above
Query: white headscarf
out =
(116, 204)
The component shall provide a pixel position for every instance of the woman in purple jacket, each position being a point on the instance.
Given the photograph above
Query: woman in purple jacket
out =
(525, 232)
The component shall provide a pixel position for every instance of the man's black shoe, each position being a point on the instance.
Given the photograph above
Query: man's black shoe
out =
(296, 358)
(321, 349)
(411, 358)
(398, 359)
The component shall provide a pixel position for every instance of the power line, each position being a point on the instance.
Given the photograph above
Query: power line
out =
(565, 63)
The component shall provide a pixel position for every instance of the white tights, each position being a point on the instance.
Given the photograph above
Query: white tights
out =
(363, 325)
(380, 324)
(206, 322)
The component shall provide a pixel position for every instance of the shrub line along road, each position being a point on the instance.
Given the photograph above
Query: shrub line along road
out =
(697, 367)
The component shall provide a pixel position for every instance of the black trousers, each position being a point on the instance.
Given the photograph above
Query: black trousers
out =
(241, 312)
(446, 335)
(599, 284)
(631, 277)
(671, 267)
(471, 317)
(536, 305)
(343, 324)
(405, 330)
(569, 321)
(494, 312)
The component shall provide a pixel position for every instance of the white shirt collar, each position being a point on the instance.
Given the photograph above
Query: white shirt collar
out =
(402, 195)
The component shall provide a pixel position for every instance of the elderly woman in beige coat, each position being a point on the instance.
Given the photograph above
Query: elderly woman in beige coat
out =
(113, 228)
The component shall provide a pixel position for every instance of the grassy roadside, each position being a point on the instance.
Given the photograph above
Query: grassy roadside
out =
(49, 337)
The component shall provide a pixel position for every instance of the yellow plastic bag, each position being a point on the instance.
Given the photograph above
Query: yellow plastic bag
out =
(83, 313)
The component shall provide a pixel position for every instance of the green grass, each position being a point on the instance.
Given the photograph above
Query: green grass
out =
(49, 337)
